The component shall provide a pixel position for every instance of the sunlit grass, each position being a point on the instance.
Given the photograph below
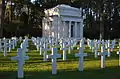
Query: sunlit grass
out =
(36, 68)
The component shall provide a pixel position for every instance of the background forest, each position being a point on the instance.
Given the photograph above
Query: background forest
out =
(24, 17)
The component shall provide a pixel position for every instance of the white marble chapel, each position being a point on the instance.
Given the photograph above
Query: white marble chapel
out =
(62, 21)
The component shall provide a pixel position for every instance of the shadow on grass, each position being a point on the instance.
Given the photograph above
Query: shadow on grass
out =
(107, 73)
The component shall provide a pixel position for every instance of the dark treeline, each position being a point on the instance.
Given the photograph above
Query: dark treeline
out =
(102, 17)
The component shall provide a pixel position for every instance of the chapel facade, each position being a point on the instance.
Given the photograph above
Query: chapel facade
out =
(62, 21)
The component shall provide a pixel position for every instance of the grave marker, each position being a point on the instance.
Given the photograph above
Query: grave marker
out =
(96, 49)
(64, 51)
(108, 48)
(54, 57)
(41, 47)
(103, 54)
(45, 49)
(81, 55)
(5, 47)
(21, 59)
(9, 44)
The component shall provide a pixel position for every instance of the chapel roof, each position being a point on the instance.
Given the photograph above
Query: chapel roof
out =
(65, 6)
(63, 10)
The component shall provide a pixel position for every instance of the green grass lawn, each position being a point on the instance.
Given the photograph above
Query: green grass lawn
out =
(36, 68)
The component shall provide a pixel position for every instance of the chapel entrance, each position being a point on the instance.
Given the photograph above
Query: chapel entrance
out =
(71, 30)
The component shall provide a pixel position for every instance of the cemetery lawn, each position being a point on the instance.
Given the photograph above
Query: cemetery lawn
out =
(35, 68)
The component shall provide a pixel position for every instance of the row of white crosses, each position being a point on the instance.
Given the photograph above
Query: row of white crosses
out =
(90, 44)
(118, 52)
(54, 54)
(104, 45)
(45, 44)
(7, 44)
(21, 57)
(96, 43)
(81, 55)
(42, 45)
(38, 43)
(67, 44)
(95, 46)
(103, 52)
(109, 46)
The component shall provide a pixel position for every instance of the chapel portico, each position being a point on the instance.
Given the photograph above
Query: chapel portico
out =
(63, 21)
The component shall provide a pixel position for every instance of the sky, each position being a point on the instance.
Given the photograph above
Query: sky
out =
(32, 0)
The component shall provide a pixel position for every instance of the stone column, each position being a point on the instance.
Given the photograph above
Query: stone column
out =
(69, 29)
(81, 29)
(76, 29)
(63, 33)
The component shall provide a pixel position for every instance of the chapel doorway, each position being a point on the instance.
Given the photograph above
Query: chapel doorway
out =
(72, 30)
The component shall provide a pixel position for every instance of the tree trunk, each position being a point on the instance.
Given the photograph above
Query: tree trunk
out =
(0, 15)
(2, 18)
(11, 10)
(102, 28)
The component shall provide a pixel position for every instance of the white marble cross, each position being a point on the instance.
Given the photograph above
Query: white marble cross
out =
(88, 42)
(50, 42)
(15, 41)
(13, 44)
(81, 55)
(92, 45)
(64, 51)
(61, 43)
(103, 53)
(10, 45)
(5, 47)
(21, 60)
(118, 52)
(45, 49)
(24, 47)
(108, 48)
(37, 44)
(96, 49)
(54, 57)
(41, 46)
(113, 44)
(70, 46)
(20, 39)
